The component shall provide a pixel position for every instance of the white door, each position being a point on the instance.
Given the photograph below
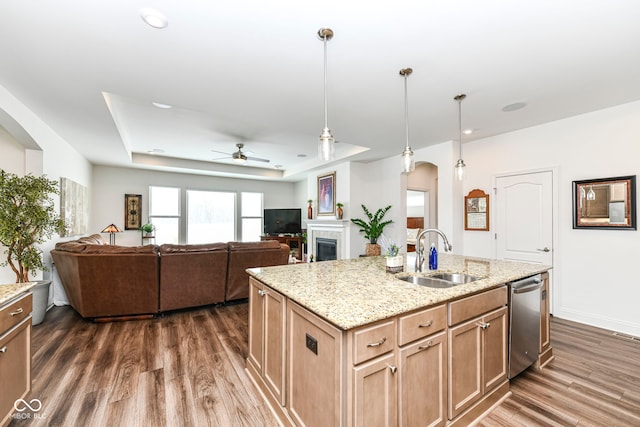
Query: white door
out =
(524, 217)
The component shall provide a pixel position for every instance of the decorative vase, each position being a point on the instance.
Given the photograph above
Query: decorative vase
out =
(340, 212)
(309, 212)
(395, 264)
(372, 249)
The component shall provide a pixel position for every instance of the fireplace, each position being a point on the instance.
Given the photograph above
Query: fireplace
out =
(329, 229)
(326, 249)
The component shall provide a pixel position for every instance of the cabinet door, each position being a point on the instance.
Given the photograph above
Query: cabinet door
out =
(15, 368)
(423, 382)
(495, 348)
(465, 366)
(544, 314)
(315, 391)
(256, 324)
(374, 393)
(274, 343)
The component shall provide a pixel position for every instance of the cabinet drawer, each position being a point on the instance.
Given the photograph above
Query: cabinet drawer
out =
(476, 305)
(372, 341)
(14, 312)
(421, 324)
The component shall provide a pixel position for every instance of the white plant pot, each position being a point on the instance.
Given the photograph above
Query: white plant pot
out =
(40, 301)
(395, 264)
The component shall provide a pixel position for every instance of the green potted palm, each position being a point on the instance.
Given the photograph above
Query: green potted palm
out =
(372, 228)
(28, 218)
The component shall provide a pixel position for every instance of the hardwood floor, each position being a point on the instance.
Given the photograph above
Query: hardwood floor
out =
(187, 369)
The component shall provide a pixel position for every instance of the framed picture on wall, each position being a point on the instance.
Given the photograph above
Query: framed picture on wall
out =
(132, 211)
(326, 194)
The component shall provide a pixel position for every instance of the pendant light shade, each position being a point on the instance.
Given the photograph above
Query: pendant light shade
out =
(408, 162)
(460, 163)
(326, 145)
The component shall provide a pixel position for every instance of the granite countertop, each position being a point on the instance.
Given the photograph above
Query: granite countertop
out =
(10, 291)
(355, 292)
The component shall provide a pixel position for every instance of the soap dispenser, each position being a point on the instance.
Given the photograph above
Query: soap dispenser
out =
(433, 257)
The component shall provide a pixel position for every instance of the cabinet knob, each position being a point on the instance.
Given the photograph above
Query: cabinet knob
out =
(393, 369)
(15, 313)
(378, 343)
(426, 325)
(3, 349)
(262, 293)
(484, 325)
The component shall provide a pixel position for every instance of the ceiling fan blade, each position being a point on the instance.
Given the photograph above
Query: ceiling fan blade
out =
(257, 159)
(222, 158)
(221, 152)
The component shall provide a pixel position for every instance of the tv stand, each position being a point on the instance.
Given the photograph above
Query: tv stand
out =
(294, 243)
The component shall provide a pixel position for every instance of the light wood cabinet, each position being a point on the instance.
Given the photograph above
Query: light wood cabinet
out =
(478, 348)
(423, 382)
(432, 367)
(15, 354)
(315, 369)
(267, 327)
(546, 352)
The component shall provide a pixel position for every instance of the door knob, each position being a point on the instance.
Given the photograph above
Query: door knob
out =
(545, 249)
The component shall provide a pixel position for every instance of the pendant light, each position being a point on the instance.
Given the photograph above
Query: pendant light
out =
(326, 145)
(460, 164)
(408, 163)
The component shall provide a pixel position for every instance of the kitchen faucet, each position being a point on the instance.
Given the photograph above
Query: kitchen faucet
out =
(420, 249)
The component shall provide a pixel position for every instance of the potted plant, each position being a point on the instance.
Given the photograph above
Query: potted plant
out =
(339, 210)
(148, 229)
(395, 262)
(372, 228)
(27, 219)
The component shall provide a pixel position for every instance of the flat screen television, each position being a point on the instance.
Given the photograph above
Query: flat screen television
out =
(283, 221)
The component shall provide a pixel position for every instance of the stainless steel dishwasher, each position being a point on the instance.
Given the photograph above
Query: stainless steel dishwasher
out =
(524, 324)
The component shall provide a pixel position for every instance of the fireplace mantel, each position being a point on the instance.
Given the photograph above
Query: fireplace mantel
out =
(332, 229)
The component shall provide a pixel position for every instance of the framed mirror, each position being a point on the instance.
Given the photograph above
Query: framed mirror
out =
(605, 203)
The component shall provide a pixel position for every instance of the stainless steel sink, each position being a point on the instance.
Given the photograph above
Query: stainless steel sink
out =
(456, 278)
(440, 280)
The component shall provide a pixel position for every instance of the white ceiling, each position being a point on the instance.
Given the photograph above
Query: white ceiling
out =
(251, 71)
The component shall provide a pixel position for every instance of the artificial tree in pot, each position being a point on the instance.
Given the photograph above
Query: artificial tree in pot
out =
(27, 218)
(372, 228)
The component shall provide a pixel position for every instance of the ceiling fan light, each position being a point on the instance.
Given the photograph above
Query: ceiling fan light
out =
(239, 158)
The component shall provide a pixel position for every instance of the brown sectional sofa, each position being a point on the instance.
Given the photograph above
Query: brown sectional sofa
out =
(103, 281)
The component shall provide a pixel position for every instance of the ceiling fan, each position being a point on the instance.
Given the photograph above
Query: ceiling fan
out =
(240, 156)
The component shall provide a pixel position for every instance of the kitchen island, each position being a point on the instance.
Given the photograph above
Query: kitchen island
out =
(346, 343)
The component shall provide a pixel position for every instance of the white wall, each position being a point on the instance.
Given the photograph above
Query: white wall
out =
(53, 156)
(112, 183)
(594, 280)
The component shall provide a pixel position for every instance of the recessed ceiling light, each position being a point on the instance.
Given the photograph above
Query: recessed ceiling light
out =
(467, 131)
(156, 151)
(161, 105)
(302, 155)
(513, 107)
(154, 18)
(278, 166)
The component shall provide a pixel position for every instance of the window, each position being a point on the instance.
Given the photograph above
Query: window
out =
(251, 212)
(164, 213)
(210, 216)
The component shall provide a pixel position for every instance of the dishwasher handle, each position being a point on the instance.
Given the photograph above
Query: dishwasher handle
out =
(524, 287)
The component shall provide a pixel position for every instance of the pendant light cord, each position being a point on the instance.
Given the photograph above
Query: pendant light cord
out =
(326, 107)
(460, 127)
(406, 112)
